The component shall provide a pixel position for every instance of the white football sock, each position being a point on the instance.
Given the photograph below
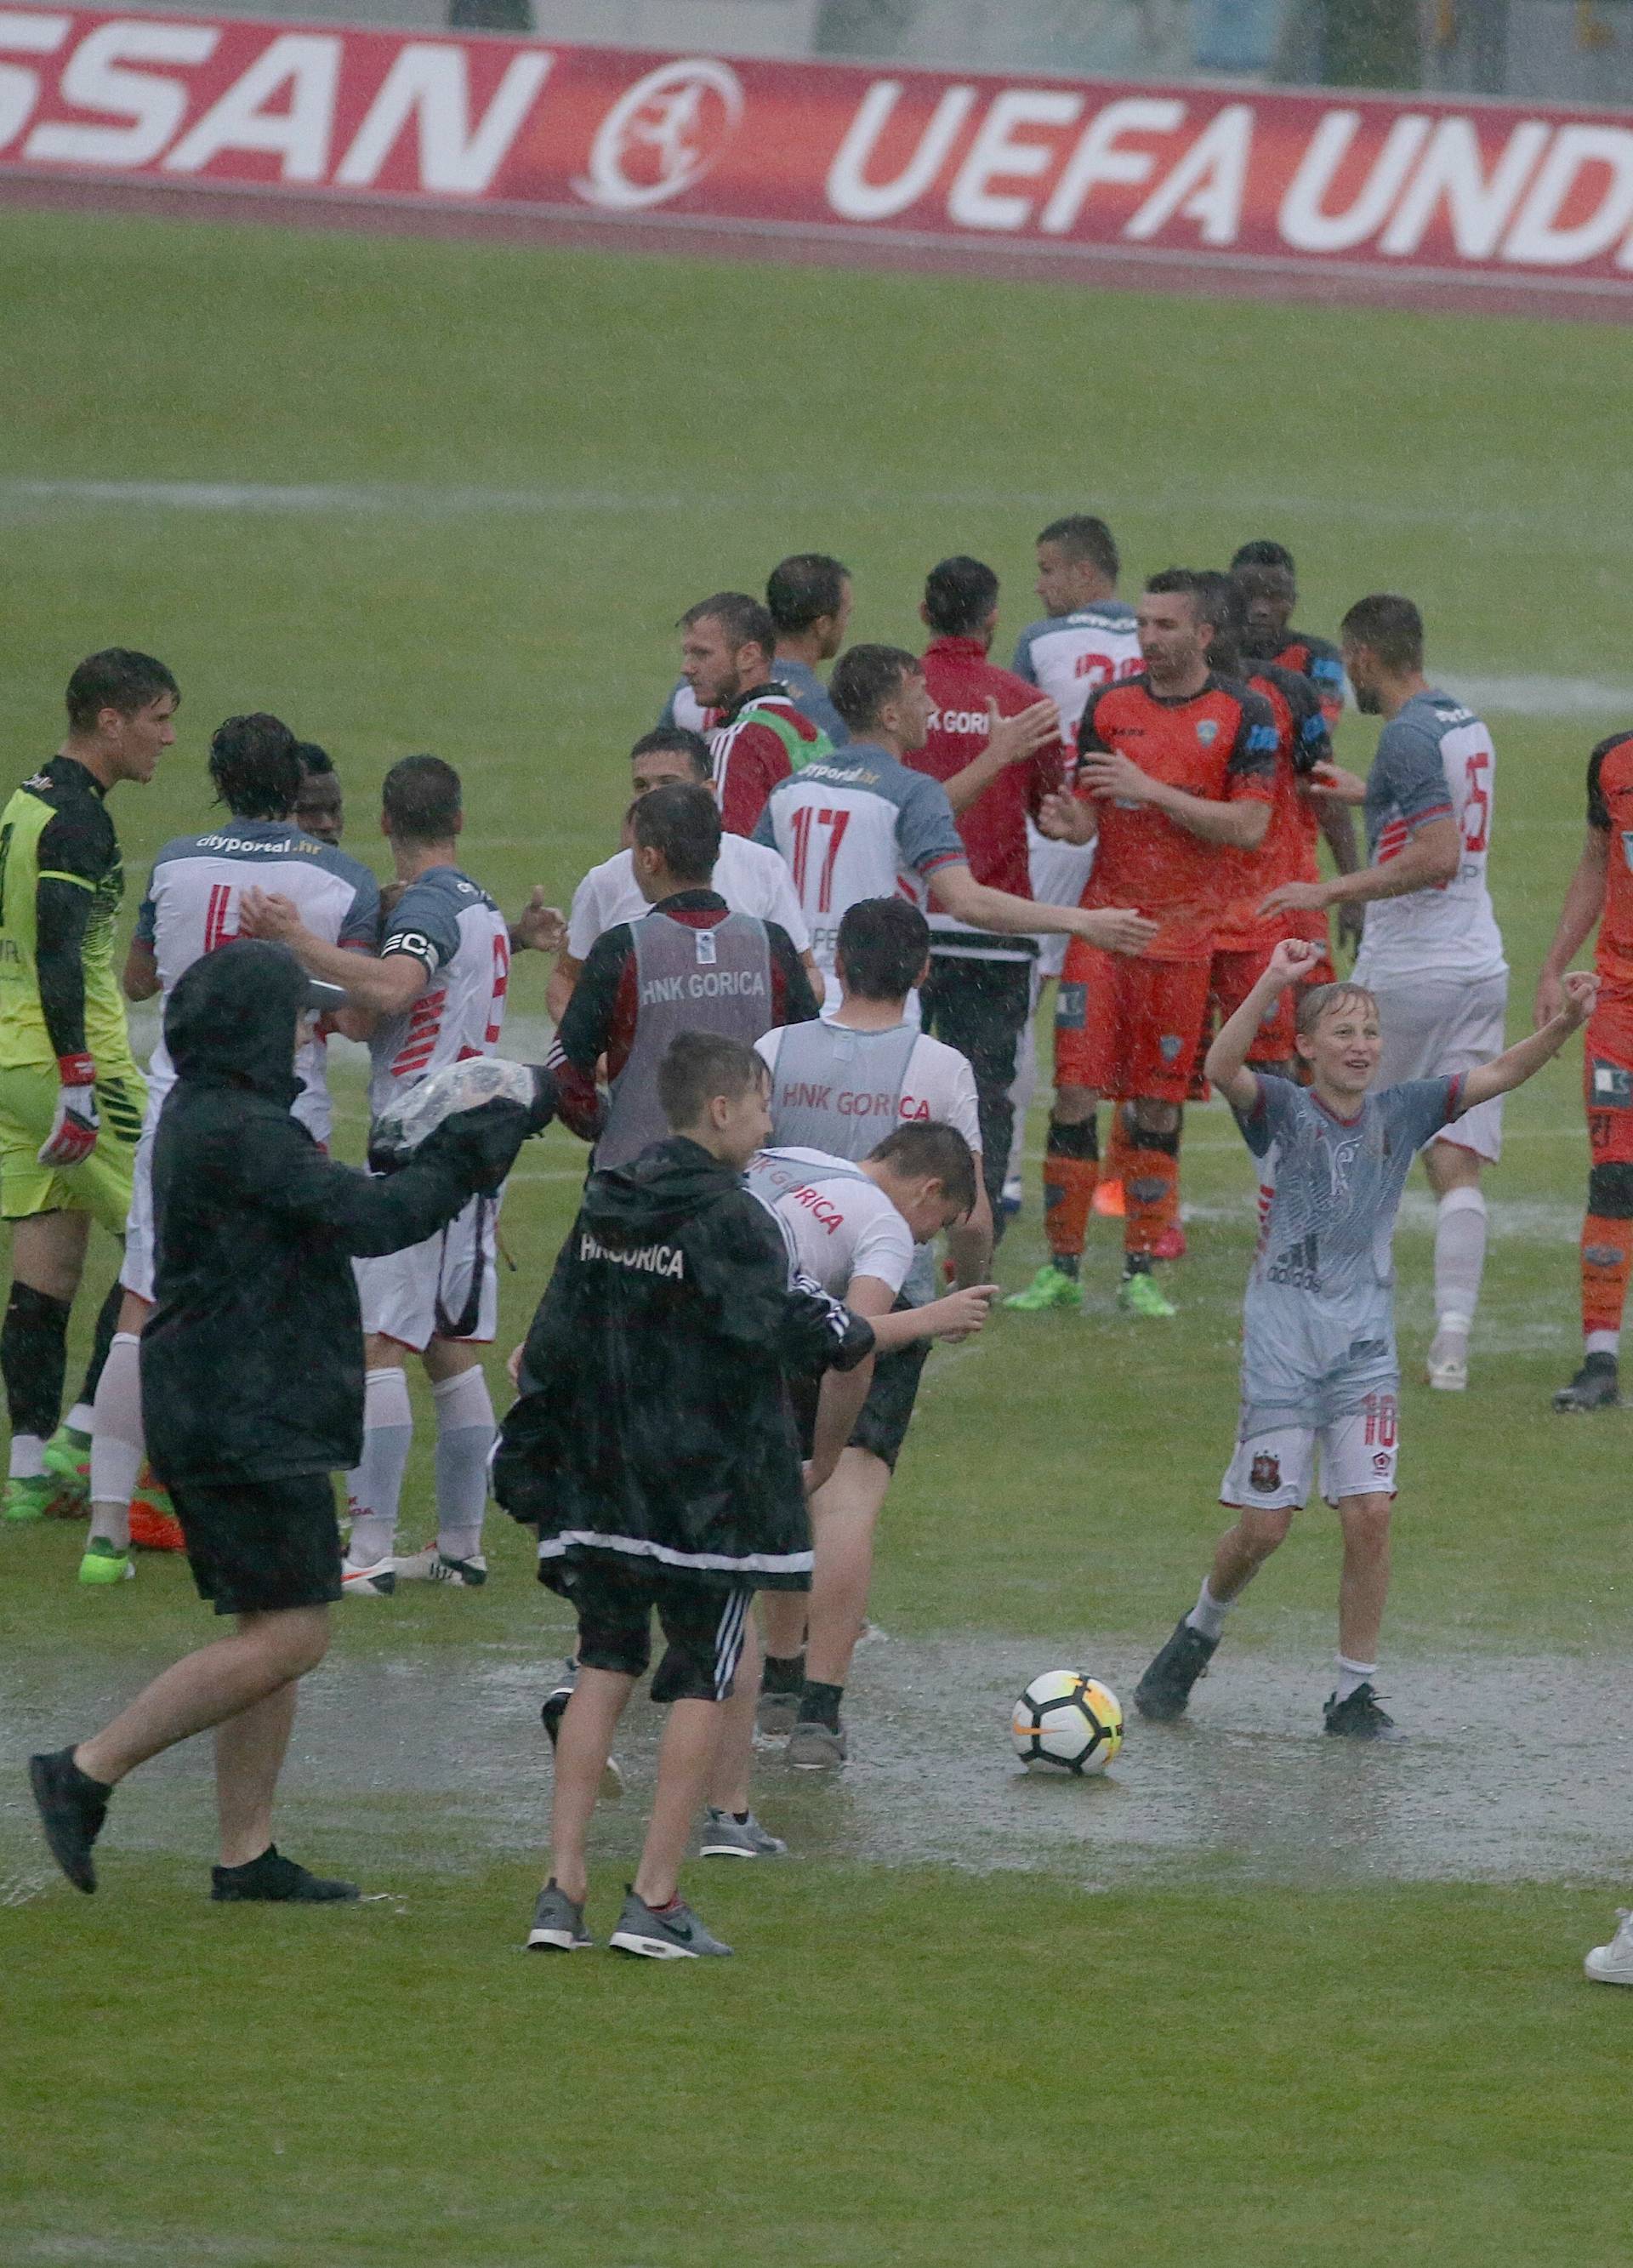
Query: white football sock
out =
(374, 1491)
(1459, 1260)
(28, 1457)
(81, 1418)
(465, 1432)
(117, 1444)
(1351, 1674)
(1602, 1343)
(1207, 1617)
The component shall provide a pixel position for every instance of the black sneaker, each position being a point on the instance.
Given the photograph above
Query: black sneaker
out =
(1594, 1386)
(72, 1807)
(274, 1879)
(1359, 1718)
(1165, 1687)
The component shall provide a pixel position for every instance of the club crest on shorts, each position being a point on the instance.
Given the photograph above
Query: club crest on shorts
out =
(1168, 1046)
(1265, 1473)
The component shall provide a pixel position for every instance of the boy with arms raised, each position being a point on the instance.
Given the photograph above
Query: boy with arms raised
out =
(1319, 1362)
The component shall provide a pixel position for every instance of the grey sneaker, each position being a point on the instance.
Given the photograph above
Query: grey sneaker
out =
(727, 1836)
(557, 1924)
(817, 1748)
(775, 1715)
(676, 1935)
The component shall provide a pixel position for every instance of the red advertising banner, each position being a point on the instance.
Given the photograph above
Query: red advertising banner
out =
(1358, 189)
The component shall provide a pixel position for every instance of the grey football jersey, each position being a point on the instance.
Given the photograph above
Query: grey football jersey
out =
(1318, 1322)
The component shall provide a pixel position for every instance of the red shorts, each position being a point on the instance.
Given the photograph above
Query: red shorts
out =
(1608, 1079)
(1128, 1028)
(1234, 976)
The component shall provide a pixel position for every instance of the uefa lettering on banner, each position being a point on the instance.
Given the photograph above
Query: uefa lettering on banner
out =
(1359, 188)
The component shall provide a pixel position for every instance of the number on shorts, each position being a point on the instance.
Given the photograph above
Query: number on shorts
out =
(1380, 1421)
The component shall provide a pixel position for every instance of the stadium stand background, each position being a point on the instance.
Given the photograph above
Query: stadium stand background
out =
(1571, 51)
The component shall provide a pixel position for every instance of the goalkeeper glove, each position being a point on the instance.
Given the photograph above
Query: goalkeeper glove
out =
(74, 1128)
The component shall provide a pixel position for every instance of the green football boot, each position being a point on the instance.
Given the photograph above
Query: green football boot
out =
(1138, 1295)
(105, 1563)
(1050, 1287)
(30, 1498)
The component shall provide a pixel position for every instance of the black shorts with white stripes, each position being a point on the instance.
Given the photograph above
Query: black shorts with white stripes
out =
(702, 1623)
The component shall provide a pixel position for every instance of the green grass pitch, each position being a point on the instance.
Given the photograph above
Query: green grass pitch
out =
(460, 495)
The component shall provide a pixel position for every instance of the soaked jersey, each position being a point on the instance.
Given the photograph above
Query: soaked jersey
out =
(1434, 761)
(463, 940)
(1318, 1322)
(1288, 852)
(835, 1222)
(1321, 661)
(759, 740)
(1218, 744)
(856, 824)
(191, 907)
(1610, 809)
(1070, 656)
(56, 828)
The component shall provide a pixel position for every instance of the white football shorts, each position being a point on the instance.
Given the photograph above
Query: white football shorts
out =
(1432, 1028)
(427, 1291)
(136, 1273)
(1275, 1471)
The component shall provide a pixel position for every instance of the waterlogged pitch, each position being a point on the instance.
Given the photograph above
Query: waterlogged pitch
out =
(411, 496)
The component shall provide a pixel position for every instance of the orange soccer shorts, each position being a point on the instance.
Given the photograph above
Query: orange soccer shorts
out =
(1233, 977)
(1126, 1027)
(1608, 1077)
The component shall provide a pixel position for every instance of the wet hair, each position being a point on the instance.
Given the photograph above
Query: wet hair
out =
(804, 587)
(961, 595)
(1263, 552)
(116, 678)
(422, 800)
(676, 741)
(1081, 536)
(931, 1148)
(867, 676)
(882, 945)
(697, 1066)
(316, 762)
(1390, 627)
(682, 824)
(743, 620)
(1199, 585)
(1318, 999)
(1220, 603)
(255, 765)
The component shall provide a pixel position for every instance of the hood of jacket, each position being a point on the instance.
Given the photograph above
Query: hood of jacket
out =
(233, 1018)
(668, 1183)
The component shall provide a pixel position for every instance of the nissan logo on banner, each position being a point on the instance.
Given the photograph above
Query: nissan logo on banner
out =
(663, 136)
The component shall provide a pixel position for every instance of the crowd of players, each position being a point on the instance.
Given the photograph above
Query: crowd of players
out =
(867, 883)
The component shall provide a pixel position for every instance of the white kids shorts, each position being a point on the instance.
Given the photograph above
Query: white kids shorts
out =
(1274, 1470)
(1432, 1028)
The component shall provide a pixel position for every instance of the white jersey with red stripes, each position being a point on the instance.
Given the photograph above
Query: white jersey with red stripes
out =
(462, 940)
(191, 907)
(1435, 761)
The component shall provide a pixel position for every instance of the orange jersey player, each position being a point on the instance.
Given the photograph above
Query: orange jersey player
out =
(1244, 940)
(1602, 892)
(1175, 770)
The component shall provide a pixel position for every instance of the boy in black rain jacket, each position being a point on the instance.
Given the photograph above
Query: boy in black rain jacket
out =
(654, 1449)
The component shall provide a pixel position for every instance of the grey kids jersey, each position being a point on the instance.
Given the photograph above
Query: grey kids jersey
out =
(1318, 1322)
(856, 824)
(716, 979)
(1434, 761)
(1070, 656)
(445, 922)
(191, 907)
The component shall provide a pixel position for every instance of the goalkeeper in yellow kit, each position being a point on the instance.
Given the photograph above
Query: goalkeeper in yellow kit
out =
(71, 1097)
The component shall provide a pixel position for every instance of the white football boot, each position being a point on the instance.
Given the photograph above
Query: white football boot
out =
(1613, 1963)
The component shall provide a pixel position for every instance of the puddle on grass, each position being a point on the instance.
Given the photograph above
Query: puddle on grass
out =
(1514, 1768)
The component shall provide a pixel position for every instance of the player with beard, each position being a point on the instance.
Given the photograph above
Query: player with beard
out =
(1176, 770)
(808, 596)
(727, 647)
(1432, 951)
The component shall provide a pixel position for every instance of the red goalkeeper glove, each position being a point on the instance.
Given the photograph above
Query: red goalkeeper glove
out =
(74, 1128)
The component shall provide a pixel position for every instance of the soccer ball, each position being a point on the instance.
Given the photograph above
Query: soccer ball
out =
(1067, 1721)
